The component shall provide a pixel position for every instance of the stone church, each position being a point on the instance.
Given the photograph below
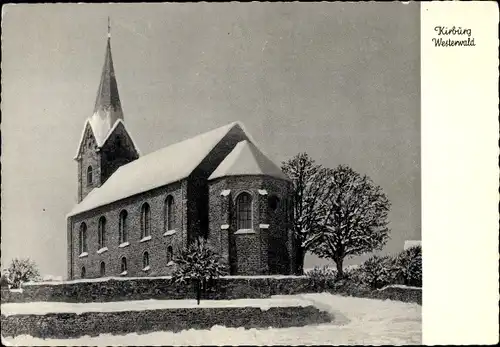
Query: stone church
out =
(134, 211)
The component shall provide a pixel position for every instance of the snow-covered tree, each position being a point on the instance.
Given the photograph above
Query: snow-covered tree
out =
(409, 264)
(22, 270)
(198, 264)
(311, 193)
(355, 221)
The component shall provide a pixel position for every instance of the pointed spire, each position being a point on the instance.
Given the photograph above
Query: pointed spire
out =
(107, 108)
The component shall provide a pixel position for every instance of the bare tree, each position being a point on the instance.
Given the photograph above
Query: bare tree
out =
(22, 270)
(311, 189)
(355, 221)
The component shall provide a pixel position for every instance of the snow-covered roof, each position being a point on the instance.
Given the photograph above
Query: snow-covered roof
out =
(101, 139)
(165, 166)
(247, 159)
(412, 243)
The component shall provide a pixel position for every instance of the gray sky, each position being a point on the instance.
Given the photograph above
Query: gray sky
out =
(340, 81)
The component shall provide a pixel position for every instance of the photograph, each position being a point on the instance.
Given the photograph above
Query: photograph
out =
(211, 174)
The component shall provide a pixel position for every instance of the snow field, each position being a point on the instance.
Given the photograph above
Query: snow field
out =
(356, 321)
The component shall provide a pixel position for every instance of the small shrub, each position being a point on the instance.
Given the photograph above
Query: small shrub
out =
(378, 272)
(321, 278)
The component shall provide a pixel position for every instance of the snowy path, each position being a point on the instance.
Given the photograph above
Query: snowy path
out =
(357, 321)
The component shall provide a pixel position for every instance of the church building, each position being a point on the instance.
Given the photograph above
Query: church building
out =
(135, 212)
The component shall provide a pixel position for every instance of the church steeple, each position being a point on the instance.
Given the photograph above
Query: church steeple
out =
(107, 109)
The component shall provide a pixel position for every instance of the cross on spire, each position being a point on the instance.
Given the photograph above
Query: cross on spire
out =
(109, 28)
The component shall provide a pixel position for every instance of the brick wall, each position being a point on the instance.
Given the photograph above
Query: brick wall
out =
(265, 248)
(156, 247)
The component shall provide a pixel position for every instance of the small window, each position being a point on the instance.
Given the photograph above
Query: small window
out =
(102, 232)
(124, 264)
(83, 238)
(145, 259)
(273, 202)
(170, 254)
(244, 211)
(89, 175)
(145, 220)
(122, 227)
(83, 272)
(103, 269)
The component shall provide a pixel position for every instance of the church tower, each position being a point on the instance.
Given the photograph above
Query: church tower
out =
(105, 144)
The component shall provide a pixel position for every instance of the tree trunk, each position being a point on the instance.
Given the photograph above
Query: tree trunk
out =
(299, 266)
(340, 268)
(198, 291)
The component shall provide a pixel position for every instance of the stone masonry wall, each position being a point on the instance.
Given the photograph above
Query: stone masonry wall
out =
(264, 249)
(89, 157)
(117, 151)
(156, 246)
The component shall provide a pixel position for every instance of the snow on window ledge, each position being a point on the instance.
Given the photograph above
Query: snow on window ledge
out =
(170, 263)
(124, 244)
(225, 192)
(146, 268)
(146, 238)
(224, 226)
(245, 231)
(262, 192)
(84, 254)
(124, 273)
(102, 250)
(264, 226)
(169, 232)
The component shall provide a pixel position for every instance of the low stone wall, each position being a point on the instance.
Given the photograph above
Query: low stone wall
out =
(224, 288)
(156, 288)
(67, 325)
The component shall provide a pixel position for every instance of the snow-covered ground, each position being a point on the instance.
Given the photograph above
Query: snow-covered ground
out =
(356, 321)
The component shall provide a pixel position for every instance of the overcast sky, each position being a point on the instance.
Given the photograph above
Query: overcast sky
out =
(340, 81)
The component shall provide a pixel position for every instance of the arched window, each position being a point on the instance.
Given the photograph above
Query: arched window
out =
(168, 213)
(83, 238)
(244, 211)
(145, 260)
(124, 265)
(89, 175)
(101, 230)
(122, 227)
(273, 202)
(103, 269)
(170, 254)
(83, 272)
(145, 220)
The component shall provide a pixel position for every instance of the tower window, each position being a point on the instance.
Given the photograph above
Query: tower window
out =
(145, 220)
(102, 232)
(83, 238)
(169, 213)
(89, 175)
(122, 227)
(103, 269)
(83, 274)
(244, 211)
